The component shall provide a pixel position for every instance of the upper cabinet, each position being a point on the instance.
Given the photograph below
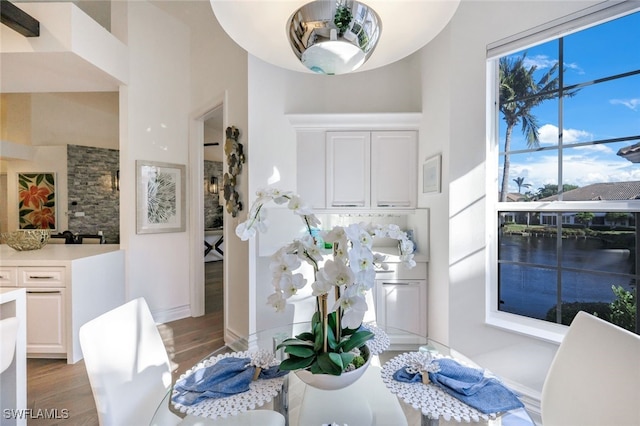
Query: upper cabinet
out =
(371, 170)
(348, 169)
(357, 162)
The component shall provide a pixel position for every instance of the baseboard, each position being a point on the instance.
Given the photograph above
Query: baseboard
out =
(172, 314)
(234, 340)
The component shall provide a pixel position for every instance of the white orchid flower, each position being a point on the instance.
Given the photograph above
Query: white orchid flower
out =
(321, 286)
(244, 231)
(277, 301)
(337, 273)
(291, 283)
(354, 307)
(360, 258)
(335, 235)
(283, 264)
(358, 235)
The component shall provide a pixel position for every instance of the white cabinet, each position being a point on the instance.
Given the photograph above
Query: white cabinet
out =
(358, 170)
(401, 303)
(394, 169)
(348, 169)
(45, 309)
(46, 321)
(66, 286)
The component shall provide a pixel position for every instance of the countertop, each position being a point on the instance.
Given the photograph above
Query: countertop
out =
(52, 254)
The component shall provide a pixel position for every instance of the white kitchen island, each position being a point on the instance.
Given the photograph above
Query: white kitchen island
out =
(66, 286)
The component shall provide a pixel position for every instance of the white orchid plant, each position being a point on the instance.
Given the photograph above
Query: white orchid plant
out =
(332, 346)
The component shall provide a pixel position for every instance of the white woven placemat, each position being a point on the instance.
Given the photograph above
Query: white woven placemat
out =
(260, 392)
(432, 401)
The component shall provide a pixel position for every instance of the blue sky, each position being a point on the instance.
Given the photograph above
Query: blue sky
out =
(603, 111)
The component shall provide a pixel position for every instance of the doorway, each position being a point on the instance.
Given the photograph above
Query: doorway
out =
(213, 205)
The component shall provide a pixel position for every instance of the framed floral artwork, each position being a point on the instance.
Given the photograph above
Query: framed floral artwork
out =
(37, 201)
(160, 197)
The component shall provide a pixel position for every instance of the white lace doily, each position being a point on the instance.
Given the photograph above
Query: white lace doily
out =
(260, 392)
(432, 401)
(380, 341)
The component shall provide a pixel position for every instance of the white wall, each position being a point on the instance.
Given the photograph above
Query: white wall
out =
(154, 111)
(219, 74)
(454, 74)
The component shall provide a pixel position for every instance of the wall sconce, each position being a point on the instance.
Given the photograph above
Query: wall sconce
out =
(115, 180)
(213, 185)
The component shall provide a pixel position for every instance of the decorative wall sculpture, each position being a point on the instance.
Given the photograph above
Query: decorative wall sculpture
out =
(235, 158)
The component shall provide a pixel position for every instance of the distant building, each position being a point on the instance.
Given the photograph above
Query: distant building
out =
(596, 192)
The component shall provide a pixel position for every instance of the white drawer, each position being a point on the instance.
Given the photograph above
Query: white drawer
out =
(41, 276)
(8, 277)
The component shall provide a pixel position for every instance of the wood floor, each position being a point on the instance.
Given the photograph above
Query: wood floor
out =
(56, 385)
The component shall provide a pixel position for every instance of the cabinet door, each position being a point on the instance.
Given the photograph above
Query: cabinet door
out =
(45, 321)
(402, 305)
(348, 169)
(394, 166)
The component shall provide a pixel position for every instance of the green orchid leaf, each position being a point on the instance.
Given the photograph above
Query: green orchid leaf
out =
(331, 320)
(294, 342)
(331, 339)
(347, 357)
(330, 363)
(306, 336)
(300, 351)
(317, 331)
(315, 368)
(296, 363)
(356, 340)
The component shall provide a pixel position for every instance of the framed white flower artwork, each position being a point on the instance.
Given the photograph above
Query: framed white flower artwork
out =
(160, 197)
(431, 174)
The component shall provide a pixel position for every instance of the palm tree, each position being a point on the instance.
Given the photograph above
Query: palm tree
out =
(520, 182)
(519, 94)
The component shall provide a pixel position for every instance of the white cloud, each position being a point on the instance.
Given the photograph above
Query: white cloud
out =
(539, 61)
(548, 135)
(632, 104)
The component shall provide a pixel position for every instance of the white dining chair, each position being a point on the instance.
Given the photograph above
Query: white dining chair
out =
(8, 336)
(594, 378)
(130, 373)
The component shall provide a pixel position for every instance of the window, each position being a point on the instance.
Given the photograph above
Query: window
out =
(567, 142)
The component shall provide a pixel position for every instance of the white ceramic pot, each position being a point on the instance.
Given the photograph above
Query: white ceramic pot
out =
(331, 382)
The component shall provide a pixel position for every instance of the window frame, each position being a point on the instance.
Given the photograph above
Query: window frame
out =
(578, 21)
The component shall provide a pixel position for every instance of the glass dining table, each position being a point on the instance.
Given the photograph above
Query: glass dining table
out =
(374, 399)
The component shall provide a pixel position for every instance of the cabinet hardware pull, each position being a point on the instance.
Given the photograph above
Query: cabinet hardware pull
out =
(346, 205)
(403, 204)
(41, 277)
(384, 271)
(43, 292)
(400, 283)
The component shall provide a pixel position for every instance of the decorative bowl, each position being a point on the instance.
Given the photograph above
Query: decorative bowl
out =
(28, 239)
(331, 382)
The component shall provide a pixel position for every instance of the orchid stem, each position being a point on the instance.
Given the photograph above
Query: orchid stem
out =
(325, 321)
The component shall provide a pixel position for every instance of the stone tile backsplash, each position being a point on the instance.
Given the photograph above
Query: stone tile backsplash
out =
(92, 191)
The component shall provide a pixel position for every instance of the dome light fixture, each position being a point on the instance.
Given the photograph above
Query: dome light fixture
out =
(263, 28)
(334, 37)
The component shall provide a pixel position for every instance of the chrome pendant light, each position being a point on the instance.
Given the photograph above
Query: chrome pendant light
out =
(334, 36)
